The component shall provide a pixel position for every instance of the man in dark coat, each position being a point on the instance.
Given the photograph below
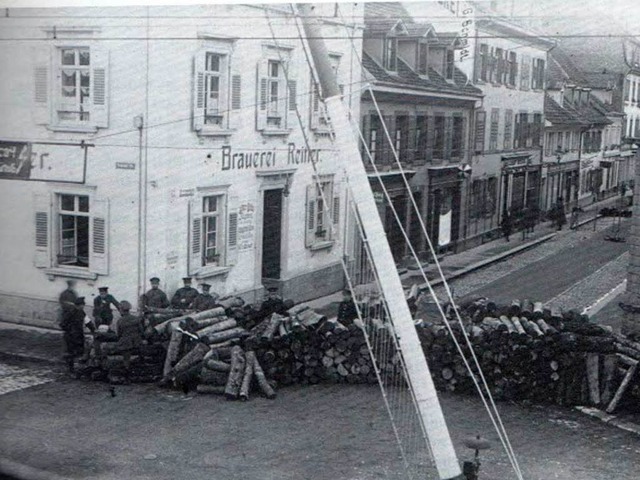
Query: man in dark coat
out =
(347, 311)
(130, 333)
(273, 303)
(73, 327)
(155, 298)
(184, 297)
(506, 225)
(102, 307)
(205, 300)
(66, 300)
(559, 214)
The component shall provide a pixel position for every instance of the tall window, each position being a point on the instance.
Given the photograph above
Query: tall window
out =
(536, 130)
(421, 137)
(493, 133)
(459, 135)
(374, 140)
(449, 64)
(213, 89)
(73, 221)
(525, 74)
(211, 229)
(276, 94)
(390, 53)
(323, 212)
(275, 76)
(438, 137)
(513, 68)
(500, 67)
(484, 62)
(422, 60)
(402, 137)
(508, 129)
(75, 85)
(537, 79)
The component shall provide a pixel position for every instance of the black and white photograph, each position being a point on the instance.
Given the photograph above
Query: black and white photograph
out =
(319, 241)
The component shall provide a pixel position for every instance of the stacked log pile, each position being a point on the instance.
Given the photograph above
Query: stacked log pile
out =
(526, 352)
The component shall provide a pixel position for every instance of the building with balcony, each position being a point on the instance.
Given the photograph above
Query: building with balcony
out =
(420, 106)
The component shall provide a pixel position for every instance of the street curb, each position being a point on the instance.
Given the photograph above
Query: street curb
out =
(24, 357)
(610, 419)
(488, 261)
(20, 471)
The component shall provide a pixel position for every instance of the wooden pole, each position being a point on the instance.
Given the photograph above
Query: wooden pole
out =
(348, 154)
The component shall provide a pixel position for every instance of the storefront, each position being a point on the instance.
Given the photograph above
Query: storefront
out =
(560, 180)
(520, 183)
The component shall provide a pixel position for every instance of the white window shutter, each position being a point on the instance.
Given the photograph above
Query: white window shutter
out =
(232, 237)
(335, 212)
(261, 94)
(100, 87)
(99, 237)
(235, 113)
(310, 223)
(198, 89)
(42, 208)
(195, 237)
(41, 84)
(292, 96)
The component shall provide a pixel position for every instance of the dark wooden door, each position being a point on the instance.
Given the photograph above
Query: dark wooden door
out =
(272, 233)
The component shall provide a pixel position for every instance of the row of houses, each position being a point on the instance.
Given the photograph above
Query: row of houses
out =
(191, 141)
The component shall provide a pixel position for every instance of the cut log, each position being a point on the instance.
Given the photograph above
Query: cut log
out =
(593, 377)
(208, 322)
(248, 375)
(266, 388)
(232, 333)
(215, 389)
(225, 324)
(215, 312)
(193, 357)
(608, 373)
(172, 352)
(217, 365)
(623, 386)
(232, 389)
(273, 323)
(212, 377)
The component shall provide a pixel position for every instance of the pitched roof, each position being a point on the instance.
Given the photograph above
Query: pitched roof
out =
(557, 115)
(572, 114)
(374, 11)
(381, 17)
(407, 78)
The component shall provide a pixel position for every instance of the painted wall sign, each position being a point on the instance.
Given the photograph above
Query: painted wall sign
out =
(246, 226)
(239, 159)
(125, 166)
(42, 161)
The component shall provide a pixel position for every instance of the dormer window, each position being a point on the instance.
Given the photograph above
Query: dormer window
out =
(423, 57)
(390, 53)
(449, 65)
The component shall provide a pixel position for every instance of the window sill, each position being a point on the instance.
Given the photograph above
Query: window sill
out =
(72, 128)
(54, 272)
(273, 132)
(215, 132)
(212, 272)
(321, 245)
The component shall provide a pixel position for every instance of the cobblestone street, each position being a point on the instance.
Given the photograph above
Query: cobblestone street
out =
(14, 377)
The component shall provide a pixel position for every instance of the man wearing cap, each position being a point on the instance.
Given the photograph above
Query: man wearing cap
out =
(73, 328)
(184, 297)
(154, 298)
(130, 332)
(66, 300)
(102, 307)
(205, 301)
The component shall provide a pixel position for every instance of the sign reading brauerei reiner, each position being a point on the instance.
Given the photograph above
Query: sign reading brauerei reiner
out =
(231, 158)
(42, 161)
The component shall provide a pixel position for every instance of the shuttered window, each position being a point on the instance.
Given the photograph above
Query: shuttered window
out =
(71, 231)
(323, 212)
(276, 94)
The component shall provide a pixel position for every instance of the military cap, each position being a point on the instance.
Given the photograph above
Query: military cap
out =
(154, 279)
(124, 305)
(103, 289)
(272, 289)
(205, 286)
(186, 279)
(79, 301)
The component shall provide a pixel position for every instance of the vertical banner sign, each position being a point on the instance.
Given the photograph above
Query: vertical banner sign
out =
(464, 53)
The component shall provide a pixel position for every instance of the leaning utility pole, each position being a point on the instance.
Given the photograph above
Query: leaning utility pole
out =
(631, 303)
(428, 406)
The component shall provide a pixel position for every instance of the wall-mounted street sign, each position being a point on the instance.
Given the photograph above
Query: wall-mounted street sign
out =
(43, 161)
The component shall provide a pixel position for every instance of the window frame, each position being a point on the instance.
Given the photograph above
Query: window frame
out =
(422, 58)
(322, 224)
(390, 53)
(281, 122)
(59, 239)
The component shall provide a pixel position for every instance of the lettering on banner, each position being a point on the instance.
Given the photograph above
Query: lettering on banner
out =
(246, 226)
(466, 13)
(42, 161)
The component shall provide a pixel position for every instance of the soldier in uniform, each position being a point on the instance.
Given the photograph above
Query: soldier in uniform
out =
(102, 307)
(155, 298)
(73, 328)
(66, 300)
(130, 333)
(184, 297)
(206, 300)
(347, 311)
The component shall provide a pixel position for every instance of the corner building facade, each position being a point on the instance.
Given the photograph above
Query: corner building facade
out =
(161, 142)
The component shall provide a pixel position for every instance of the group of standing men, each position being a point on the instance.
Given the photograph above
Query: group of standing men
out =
(129, 328)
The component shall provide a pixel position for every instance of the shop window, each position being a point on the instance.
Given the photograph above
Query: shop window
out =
(212, 235)
(323, 213)
(71, 234)
(74, 97)
(276, 94)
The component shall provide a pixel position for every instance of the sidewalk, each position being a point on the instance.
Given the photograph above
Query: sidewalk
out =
(22, 342)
